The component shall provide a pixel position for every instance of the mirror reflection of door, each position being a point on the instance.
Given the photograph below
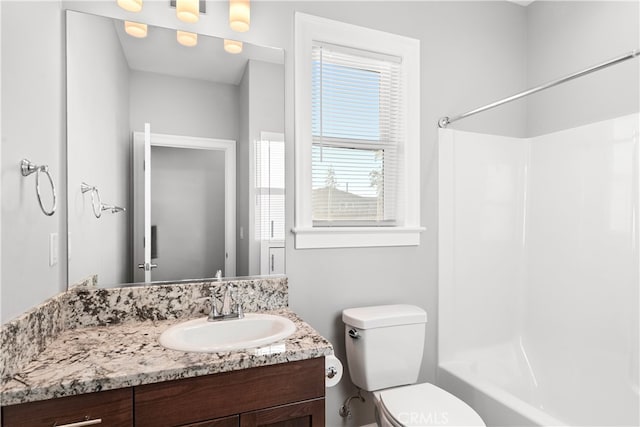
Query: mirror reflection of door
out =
(189, 229)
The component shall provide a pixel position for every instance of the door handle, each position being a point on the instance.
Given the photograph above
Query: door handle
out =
(86, 422)
(147, 267)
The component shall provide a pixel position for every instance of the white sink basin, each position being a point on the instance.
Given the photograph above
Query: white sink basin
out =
(200, 335)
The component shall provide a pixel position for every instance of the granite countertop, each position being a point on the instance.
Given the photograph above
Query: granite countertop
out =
(97, 358)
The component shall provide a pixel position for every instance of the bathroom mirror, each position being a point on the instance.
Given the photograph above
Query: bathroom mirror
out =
(202, 189)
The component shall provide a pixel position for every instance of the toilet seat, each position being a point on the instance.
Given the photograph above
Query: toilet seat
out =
(424, 405)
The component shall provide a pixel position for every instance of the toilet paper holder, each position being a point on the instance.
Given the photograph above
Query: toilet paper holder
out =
(331, 372)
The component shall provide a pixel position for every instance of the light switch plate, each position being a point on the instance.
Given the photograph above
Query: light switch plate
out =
(53, 249)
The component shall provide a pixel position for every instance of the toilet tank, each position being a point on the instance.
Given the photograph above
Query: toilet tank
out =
(384, 345)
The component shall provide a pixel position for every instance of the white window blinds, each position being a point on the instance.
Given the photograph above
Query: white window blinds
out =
(357, 137)
(269, 179)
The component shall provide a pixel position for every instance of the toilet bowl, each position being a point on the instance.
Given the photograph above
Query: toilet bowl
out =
(384, 353)
(423, 405)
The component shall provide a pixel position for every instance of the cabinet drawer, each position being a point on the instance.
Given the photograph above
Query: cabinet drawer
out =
(112, 408)
(213, 396)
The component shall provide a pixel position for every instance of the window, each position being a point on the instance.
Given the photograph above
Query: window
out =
(357, 136)
(269, 190)
(355, 113)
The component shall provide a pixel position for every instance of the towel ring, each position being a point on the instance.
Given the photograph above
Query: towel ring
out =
(28, 167)
(96, 203)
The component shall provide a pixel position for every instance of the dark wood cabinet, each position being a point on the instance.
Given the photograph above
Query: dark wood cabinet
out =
(113, 408)
(233, 421)
(301, 414)
(283, 395)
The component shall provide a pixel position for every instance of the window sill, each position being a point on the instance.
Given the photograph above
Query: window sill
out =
(356, 237)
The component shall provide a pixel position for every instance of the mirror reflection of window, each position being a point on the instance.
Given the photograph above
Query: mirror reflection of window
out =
(269, 178)
(270, 201)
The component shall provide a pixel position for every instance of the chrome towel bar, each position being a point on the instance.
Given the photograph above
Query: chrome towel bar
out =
(27, 167)
(96, 203)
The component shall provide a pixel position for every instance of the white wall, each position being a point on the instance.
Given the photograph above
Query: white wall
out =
(188, 206)
(98, 149)
(566, 37)
(32, 127)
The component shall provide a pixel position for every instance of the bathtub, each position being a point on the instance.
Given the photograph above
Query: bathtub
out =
(503, 387)
(539, 271)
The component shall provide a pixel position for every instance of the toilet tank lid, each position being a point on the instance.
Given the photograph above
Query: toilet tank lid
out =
(381, 316)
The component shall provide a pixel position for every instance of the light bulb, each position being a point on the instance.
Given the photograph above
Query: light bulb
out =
(130, 5)
(188, 10)
(135, 29)
(232, 46)
(239, 15)
(186, 38)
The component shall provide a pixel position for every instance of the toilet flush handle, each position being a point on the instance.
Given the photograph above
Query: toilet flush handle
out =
(353, 333)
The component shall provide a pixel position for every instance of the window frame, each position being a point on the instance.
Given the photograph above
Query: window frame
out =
(310, 30)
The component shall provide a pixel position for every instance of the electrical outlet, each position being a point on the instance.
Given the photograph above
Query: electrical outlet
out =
(53, 249)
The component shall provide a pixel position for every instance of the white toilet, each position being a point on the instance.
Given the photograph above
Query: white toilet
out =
(384, 353)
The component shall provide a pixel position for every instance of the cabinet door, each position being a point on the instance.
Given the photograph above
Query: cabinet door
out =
(309, 413)
(112, 408)
(190, 400)
(233, 421)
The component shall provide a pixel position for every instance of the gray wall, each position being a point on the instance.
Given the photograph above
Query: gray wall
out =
(565, 37)
(33, 126)
(98, 149)
(180, 106)
(242, 177)
(261, 109)
(471, 53)
(187, 206)
(266, 113)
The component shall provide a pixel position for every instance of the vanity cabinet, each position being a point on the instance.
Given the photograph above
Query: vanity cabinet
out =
(220, 422)
(113, 408)
(288, 394)
(301, 414)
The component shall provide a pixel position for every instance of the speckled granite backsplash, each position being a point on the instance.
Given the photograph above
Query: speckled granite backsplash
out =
(23, 338)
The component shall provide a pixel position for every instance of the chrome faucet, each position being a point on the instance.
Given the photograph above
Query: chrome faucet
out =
(227, 312)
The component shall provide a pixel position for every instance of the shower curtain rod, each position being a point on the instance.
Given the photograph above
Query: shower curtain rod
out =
(445, 121)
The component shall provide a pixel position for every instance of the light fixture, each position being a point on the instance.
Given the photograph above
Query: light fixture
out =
(130, 5)
(186, 38)
(232, 46)
(239, 15)
(188, 10)
(135, 29)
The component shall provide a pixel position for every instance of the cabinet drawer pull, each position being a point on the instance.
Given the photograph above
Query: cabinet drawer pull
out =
(86, 422)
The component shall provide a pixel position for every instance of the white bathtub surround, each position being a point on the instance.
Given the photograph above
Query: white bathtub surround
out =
(25, 337)
(539, 273)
